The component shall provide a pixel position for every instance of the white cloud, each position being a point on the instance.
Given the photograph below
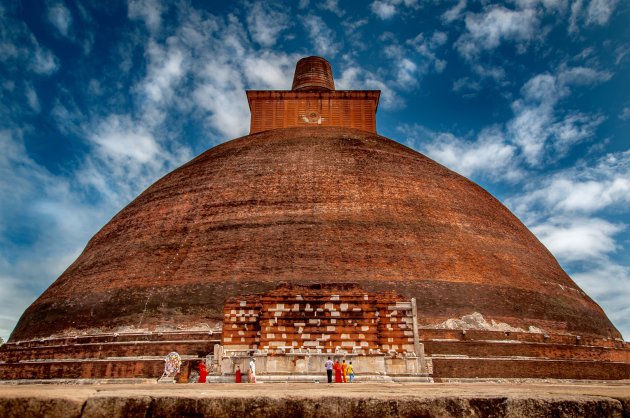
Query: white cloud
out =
(270, 71)
(36, 207)
(266, 21)
(332, 6)
(582, 190)
(609, 283)
(43, 61)
(20, 51)
(536, 125)
(489, 155)
(60, 17)
(599, 11)
(228, 108)
(406, 76)
(149, 11)
(576, 10)
(625, 113)
(32, 98)
(468, 87)
(386, 9)
(578, 239)
(321, 36)
(567, 211)
(427, 48)
(122, 141)
(383, 9)
(496, 24)
(165, 69)
(455, 12)
(357, 78)
(572, 129)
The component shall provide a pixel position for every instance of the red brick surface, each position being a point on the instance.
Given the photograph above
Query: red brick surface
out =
(326, 317)
(311, 205)
(519, 368)
(287, 109)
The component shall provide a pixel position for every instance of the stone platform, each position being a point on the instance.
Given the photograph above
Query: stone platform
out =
(318, 400)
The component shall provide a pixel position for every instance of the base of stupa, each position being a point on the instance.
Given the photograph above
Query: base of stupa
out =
(449, 354)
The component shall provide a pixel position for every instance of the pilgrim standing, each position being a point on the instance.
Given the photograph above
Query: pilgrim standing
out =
(351, 372)
(337, 368)
(252, 370)
(329, 369)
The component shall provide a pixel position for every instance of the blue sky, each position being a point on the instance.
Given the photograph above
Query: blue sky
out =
(529, 98)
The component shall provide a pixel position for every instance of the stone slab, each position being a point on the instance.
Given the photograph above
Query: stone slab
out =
(318, 400)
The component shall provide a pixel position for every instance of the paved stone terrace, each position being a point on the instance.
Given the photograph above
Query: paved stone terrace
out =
(318, 400)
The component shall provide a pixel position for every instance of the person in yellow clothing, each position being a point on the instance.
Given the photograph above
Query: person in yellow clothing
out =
(350, 371)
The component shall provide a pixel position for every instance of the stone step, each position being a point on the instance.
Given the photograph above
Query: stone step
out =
(524, 349)
(122, 337)
(104, 350)
(444, 368)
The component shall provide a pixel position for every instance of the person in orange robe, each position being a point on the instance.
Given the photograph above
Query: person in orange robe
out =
(337, 369)
(344, 372)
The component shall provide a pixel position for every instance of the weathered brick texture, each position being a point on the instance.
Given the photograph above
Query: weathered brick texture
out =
(327, 317)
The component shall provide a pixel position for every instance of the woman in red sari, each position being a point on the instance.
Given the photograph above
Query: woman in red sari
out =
(337, 369)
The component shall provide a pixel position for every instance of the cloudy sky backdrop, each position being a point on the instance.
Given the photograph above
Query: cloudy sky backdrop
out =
(529, 98)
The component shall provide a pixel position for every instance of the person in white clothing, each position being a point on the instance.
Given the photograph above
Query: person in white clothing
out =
(252, 370)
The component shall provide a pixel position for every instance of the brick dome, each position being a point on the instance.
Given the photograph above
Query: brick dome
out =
(311, 205)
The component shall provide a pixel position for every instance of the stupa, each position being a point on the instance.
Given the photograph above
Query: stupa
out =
(313, 236)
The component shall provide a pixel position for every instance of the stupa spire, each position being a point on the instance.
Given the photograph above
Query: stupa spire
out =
(312, 102)
(313, 74)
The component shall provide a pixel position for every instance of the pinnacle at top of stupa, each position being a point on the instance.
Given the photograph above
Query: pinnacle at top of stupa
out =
(313, 74)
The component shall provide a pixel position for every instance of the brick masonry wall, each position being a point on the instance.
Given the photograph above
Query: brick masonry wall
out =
(541, 369)
(285, 109)
(320, 317)
(513, 349)
(93, 369)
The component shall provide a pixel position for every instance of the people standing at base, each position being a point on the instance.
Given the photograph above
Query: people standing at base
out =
(329, 369)
(344, 372)
(337, 369)
(350, 372)
(251, 374)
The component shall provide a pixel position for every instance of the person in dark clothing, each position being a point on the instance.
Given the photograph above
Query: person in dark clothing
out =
(329, 369)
